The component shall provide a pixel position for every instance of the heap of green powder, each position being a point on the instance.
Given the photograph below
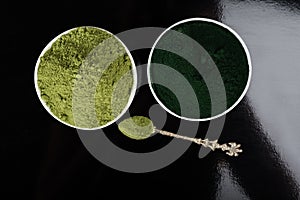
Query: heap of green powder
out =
(92, 65)
(137, 127)
(226, 52)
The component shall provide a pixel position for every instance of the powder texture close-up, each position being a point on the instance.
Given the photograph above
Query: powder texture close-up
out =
(85, 78)
(137, 127)
(223, 49)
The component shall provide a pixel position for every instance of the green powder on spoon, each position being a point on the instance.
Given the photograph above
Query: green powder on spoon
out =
(137, 127)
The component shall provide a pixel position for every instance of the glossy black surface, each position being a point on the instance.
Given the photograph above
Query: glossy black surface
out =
(43, 159)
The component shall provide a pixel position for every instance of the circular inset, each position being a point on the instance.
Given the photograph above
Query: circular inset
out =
(199, 69)
(86, 78)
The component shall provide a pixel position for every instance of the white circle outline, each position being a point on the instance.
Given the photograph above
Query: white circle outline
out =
(132, 93)
(222, 25)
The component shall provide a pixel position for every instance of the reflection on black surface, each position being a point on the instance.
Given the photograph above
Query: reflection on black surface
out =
(49, 161)
(260, 170)
(273, 35)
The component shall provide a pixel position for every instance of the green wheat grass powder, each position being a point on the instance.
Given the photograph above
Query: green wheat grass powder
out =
(85, 78)
(137, 127)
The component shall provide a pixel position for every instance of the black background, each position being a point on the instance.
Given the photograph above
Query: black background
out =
(44, 159)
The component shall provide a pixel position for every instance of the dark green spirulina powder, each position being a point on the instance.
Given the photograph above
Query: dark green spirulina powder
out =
(85, 77)
(223, 48)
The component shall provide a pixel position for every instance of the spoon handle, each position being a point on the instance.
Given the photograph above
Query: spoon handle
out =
(231, 149)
